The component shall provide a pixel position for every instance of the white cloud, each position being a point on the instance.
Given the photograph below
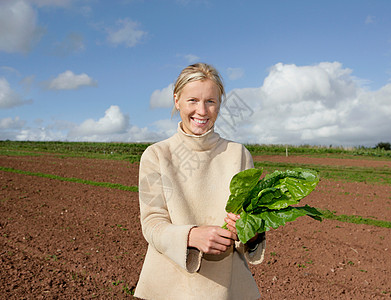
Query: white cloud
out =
(325, 82)
(127, 33)
(38, 134)
(114, 121)
(319, 104)
(18, 26)
(15, 129)
(41, 132)
(70, 81)
(166, 127)
(235, 73)
(113, 127)
(136, 134)
(9, 98)
(9, 123)
(162, 98)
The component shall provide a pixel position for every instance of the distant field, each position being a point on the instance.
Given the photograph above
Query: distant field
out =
(133, 151)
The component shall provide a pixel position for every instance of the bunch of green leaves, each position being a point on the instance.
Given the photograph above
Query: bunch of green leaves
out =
(267, 203)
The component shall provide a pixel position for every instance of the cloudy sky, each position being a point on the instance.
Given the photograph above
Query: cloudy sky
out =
(296, 72)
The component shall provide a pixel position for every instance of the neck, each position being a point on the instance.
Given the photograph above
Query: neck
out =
(201, 142)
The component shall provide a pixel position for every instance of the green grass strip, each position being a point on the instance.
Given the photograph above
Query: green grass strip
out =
(346, 173)
(114, 151)
(73, 179)
(132, 158)
(19, 153)
(318, 151)
(133, 151)
(354, 219)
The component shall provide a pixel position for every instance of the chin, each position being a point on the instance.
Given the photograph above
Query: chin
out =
(199, 131)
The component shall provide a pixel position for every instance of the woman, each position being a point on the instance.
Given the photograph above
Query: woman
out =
(183, 188)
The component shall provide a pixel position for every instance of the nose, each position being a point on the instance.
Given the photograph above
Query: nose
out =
(201, 108)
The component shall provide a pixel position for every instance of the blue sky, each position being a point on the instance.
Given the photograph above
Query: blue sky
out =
(295, 72)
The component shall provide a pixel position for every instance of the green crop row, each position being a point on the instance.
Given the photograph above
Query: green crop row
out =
(121, 151)
(73, 179)
(318, 151)
(346, 173)
(133, 151)
(354, 219)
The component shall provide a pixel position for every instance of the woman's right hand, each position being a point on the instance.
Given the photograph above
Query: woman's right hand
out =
(211, 239)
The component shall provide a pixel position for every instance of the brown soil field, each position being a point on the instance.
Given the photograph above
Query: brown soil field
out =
(66, 240)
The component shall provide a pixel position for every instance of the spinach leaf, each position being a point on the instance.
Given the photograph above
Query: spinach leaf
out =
(266, 203)
(241, 187)
(248, 225)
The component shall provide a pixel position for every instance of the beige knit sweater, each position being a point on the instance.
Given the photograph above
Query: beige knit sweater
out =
(184, 182)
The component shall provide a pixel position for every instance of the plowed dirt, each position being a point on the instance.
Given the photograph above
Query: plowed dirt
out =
(65, 240)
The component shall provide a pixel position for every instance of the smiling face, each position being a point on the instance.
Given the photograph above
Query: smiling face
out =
(198, 105)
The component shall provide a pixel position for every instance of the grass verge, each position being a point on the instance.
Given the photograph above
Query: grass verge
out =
(124, 151)
(351, 174)
(319, 151)
(132, 158)
(354, 219)
(117, 151)
(73, 179)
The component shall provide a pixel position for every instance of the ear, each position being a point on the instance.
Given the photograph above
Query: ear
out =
(176, 99)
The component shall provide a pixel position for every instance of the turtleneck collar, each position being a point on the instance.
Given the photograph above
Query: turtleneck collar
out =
(201, 142)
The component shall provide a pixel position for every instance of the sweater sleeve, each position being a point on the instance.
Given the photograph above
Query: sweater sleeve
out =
(257, 254)
(158, 230)
(247, 159)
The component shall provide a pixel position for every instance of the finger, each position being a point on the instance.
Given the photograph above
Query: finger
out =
(229, 234)
(215, 251)
(223, 242)
(223, 247)
(231, 228)
(234, 217)
(218, 246)
(229, 221)
(231, 225)
(234, 231)
(234, 237)
(221, 236)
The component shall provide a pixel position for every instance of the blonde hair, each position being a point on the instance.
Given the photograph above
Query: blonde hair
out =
(198, 71)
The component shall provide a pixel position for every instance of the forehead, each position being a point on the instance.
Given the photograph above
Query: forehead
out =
(205, 88)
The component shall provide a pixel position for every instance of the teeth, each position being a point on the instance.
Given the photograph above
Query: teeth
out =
(200, 121)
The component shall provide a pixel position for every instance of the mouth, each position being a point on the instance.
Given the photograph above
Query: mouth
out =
(200, 122)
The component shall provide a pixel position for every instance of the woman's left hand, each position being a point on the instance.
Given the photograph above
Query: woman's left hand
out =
(231, 225)
(231, 219)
